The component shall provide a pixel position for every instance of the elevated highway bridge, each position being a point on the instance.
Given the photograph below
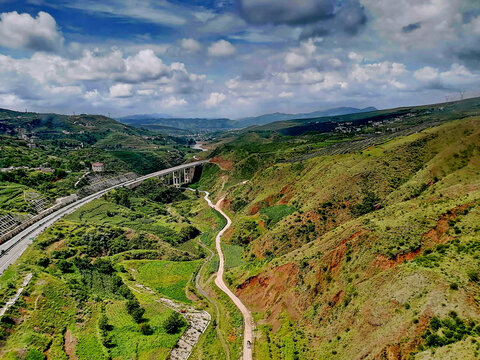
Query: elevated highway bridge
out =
(13, 248)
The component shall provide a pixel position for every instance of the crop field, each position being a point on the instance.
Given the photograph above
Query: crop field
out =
(89, 345)
(168, 278)
(11, 196)
(129, 342)
(233, 255)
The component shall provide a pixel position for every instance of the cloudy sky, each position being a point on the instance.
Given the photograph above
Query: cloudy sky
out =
(227, 58)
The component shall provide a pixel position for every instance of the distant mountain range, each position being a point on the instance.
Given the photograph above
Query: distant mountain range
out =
(269, 118)
(162, 122)
(174, 124)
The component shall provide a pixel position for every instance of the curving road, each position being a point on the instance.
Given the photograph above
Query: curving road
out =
(247, 316)
(11, 250)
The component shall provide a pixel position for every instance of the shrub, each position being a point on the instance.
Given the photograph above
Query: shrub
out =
(174, 323)
(454, 286)
(137, 314)
(34, 354)
(187, 233)
(65, 266)
(43, 261)
(473, 275)
(103, 323)
(145, 329)
(367, 205)
(131, 305)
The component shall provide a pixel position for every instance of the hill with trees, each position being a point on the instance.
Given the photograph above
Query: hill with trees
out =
(358, 244)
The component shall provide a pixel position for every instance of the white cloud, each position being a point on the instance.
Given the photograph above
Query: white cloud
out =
(223, 24)
(355, 57)
(294, 61)
(157, 12)
(21, 31)
(145, 66)
(221, 48)
(172, 101)
(474, 26)
(299, 58)
(285, 95)
(215, 99)
(307, 76)
(426, 73)
(191, 45)
(377, 72)
(121, 90)
(410, 22)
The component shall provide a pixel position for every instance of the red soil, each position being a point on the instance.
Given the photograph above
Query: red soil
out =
(222, 163)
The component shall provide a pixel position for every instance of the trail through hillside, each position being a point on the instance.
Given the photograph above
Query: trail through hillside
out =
(247, 316)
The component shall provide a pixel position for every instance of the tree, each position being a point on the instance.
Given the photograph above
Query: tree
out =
(65, 266)
(145, 329)
(103, 323)
(174, 323)
(131, 305)
(187, 233)
(137, 314)
(43, 261)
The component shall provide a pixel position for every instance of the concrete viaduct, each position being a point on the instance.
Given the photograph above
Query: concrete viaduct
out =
(11, 250)
(176, 176)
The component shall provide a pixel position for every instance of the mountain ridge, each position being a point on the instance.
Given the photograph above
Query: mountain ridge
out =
(148, 121)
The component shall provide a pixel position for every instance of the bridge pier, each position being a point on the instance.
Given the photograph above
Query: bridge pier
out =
(188, 174)
(177, 178)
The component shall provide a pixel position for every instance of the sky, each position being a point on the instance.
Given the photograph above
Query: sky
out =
(227, 58)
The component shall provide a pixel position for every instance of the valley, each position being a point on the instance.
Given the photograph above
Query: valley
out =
(350, 240)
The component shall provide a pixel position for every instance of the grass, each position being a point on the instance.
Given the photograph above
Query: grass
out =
(11, 197)
(278, 212)
(89, 345)
(168, 278)
(233, 255)
(129, 342)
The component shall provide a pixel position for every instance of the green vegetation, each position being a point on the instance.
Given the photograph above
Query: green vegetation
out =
(233, 255)
(168, 278)
(174, 323)
(449, 330)
(276, 213)
(337, 237)
(87, 293)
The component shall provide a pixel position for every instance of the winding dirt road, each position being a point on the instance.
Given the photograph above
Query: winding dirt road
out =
(247, 316)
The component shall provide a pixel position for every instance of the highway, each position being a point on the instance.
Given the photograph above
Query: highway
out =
(11, 250)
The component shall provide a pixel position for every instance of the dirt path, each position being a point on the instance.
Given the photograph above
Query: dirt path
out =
(204, 293)
(247, 316)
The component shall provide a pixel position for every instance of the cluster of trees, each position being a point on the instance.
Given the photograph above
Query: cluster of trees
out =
(154, 189)
(105, 328)
(449, 330)
(246, 231)
(110, 241)
(135, 310)
(31, 178)
(121, 197)
(369, 203)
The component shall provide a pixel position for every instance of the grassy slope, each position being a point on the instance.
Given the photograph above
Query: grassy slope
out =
(364, 285)
(51, 314)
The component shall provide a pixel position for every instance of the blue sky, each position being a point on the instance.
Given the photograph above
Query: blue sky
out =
(226, 58)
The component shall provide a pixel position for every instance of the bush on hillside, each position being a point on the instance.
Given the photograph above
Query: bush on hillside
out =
(174, 323)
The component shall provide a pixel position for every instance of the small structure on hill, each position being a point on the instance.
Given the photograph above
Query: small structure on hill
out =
(97, 167)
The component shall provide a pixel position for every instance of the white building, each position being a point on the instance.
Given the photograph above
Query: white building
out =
(97, 167)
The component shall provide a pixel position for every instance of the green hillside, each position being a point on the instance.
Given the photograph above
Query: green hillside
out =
(66, 146)
(368, 252)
